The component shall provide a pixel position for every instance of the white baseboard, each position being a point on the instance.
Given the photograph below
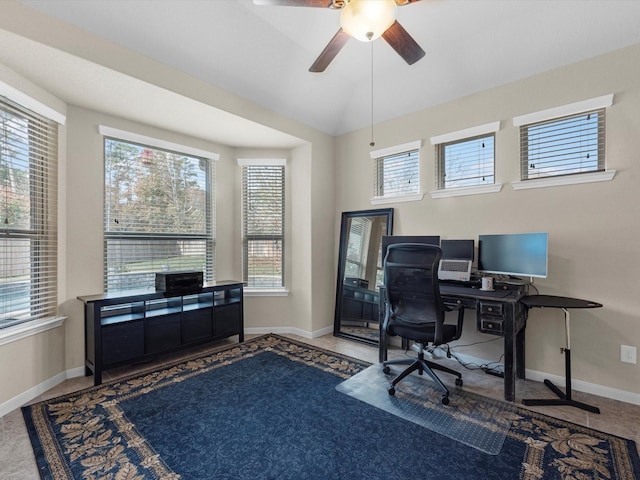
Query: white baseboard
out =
(29, 395)
(577, 385)
(586, 387)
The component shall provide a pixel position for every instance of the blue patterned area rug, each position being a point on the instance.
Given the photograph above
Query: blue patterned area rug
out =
(269, 409)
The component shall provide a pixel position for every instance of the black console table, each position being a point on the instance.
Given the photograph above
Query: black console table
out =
(565, 303)
(125, 327)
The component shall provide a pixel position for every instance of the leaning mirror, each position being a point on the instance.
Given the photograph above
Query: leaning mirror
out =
(360, 274)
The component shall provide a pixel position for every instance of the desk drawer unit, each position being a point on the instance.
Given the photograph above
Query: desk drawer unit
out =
(465, 302)
(491, 317)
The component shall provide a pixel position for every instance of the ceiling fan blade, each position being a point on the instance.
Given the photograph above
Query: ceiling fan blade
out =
(330, 51)
(403, 43)
(295, 3)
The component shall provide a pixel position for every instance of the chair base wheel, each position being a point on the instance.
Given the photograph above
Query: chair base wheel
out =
(445, 400)
(386, 369)
(391, 390)
(459, 382)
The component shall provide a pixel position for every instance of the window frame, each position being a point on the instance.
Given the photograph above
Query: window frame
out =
(441, 163)
(39, 146)
(576, 108)
(553, 127)
(208, 237)
(379, 156)
(270, 290)
(467, 133)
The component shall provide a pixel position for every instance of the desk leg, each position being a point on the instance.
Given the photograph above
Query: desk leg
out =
(564, 397)
(509, 360)
(520, 342)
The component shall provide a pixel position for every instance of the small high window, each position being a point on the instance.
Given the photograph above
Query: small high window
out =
(466, 158)
(397, 171)
(563, 146)
(466, 162)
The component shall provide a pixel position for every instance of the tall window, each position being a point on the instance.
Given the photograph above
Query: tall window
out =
(158, 214)
(263, 223)
(563, 146)
(28, 215)
(466, 162)
(398, 174)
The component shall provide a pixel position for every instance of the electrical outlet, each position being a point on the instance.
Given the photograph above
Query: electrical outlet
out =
(627, 354)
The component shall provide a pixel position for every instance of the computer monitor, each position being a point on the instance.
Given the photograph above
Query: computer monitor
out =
(392, 239)
(457, 249)
(519, 254)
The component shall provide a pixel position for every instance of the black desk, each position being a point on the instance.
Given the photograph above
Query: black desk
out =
(552, 301)
(498, 312)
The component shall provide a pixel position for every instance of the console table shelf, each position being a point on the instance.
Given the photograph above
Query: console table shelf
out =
(129, 326)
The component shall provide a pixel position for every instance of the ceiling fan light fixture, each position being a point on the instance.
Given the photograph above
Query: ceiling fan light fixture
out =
(366, 20)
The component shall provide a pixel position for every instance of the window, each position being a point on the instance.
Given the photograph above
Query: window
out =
(398, 174)
(28, 215)
(158, 214)
(263, 223)
(464, 163)
(563, 146)
(466, 158)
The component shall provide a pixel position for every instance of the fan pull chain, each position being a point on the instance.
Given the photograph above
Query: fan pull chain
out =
(372, 143)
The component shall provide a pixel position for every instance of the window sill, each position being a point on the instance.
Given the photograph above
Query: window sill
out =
(23, 330)
(416, 197)
(564, 180)
(265, 292)
(462, 191)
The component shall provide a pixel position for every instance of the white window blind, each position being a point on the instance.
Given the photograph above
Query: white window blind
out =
(466, 162)
(358, 247)
(158, 214)
(263, 225)
(563, 146)
(397, 174)
(28, 215)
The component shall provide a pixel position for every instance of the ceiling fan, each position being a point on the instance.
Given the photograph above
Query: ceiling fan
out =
(364, 20)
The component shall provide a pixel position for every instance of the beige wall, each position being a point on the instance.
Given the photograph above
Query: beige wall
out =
(34, 363)
(328, 176)
(27, 363)
(594, 251)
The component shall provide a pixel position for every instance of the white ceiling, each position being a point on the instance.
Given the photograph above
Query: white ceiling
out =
(262, 53)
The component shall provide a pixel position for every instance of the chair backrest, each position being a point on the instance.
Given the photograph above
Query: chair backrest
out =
(411, 281)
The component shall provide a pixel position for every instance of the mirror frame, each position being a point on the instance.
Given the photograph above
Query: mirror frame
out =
(342, 257)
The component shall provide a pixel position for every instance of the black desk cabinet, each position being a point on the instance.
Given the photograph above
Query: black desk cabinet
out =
(498, 313)
(129, 326)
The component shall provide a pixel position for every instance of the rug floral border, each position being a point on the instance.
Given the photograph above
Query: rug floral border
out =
(100, 443)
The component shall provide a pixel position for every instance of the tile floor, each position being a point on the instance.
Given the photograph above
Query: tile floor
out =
(17, 461)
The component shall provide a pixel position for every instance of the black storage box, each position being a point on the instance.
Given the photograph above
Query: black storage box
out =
(179, 283)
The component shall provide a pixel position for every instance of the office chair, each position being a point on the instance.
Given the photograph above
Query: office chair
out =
(414, 309)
